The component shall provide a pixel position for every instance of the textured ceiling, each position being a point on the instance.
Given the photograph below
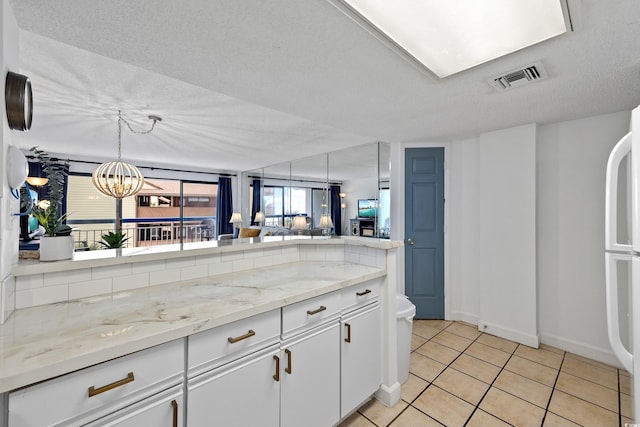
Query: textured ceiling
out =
(244, 84)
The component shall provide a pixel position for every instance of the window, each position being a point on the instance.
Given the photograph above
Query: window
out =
(281, 203)
(152, 217)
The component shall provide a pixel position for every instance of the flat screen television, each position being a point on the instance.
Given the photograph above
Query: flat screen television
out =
(367, 208)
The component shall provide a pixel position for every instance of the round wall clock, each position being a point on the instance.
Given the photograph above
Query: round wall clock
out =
(18, 101)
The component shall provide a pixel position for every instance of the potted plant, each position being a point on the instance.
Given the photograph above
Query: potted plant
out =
(57, 244)
(113, 240)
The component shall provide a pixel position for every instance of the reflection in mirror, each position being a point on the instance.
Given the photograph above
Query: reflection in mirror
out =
(356, 168)
(326, 190)
(270, 198)
(308, 192)
(384, 173)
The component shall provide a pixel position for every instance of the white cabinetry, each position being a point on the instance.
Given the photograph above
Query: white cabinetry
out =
(361, 352)
(162, 410)
(310, 381)
(243, 393)
(95, 394)
(233, 374)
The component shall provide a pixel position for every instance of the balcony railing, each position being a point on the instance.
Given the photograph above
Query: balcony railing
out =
(156, 231)
(145, 231)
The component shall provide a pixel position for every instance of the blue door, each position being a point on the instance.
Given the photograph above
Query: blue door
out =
(424, 231)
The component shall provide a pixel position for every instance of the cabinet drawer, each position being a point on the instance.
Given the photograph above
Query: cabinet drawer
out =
(82, 396)
(360, 295)
(309, 313)
(214, 347)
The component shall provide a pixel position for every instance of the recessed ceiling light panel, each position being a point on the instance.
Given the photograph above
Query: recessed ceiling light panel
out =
(451, 36)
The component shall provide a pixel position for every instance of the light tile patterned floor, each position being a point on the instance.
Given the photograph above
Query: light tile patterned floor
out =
(461, 377)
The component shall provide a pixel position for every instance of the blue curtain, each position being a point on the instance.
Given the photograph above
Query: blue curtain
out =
(336, 214)
(255, 203)
(224, 206)
(62, 207)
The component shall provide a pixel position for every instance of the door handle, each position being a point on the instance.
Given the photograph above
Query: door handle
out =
(410, 242)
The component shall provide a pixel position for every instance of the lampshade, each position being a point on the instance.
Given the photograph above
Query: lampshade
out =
(259, 217)
(119, 179)
(325, 221)
(236, 219)
(37, 181)
(299, 223)
(342, 195)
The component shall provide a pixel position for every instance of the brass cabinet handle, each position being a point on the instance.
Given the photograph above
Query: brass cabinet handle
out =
(316, 311)
(366, 291)
(348, 338)
(277, 374)
(95, 391)
(241, 337)
(174, 406)
(288, 368)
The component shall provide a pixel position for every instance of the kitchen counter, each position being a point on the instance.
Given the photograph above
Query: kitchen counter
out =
(42, 342)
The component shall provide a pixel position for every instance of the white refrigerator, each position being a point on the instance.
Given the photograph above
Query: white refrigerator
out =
(622, 255)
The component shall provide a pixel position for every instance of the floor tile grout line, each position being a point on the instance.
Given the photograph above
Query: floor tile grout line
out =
(429, 382)
(565, 356)
(476, 406)
(435, 378)
(619, 400)
(489, 388)
(553, 389)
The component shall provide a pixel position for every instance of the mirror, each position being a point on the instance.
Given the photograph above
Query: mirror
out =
(311, 186)
(308, 193)
(356, 169)
(384, 174)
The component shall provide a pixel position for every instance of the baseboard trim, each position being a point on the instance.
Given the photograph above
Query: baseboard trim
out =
(532, 340)
(581, 349)
(465, 317)
(389, 396)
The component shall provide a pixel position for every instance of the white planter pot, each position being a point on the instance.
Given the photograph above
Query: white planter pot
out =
(56, 248)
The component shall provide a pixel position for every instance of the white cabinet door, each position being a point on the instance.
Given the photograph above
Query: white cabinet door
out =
(361, 369)
(242, 393)
(162, 410)
(310, 378)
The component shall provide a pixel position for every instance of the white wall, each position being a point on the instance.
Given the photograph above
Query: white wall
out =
(9, 224)
(492, 233)
(507, 233)
(464, 232)
(572, 158)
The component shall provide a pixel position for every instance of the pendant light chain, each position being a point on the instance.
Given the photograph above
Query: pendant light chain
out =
(119, 179)
(119, 136)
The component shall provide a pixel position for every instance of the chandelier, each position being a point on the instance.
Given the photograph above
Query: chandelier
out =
(120, 179)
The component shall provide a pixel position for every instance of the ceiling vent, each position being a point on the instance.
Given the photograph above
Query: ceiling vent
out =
(529, 74)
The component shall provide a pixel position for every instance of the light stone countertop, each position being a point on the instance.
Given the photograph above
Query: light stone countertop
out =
(42, 342)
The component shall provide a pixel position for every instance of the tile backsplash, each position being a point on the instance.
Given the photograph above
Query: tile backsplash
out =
(46, 288)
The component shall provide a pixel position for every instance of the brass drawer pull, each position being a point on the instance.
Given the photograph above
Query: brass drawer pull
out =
(348, 338)
(366, 291)
(288, 368)
(174, 406)
(242, 337)
(316, 311)
(277, 374)
(95, 391)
